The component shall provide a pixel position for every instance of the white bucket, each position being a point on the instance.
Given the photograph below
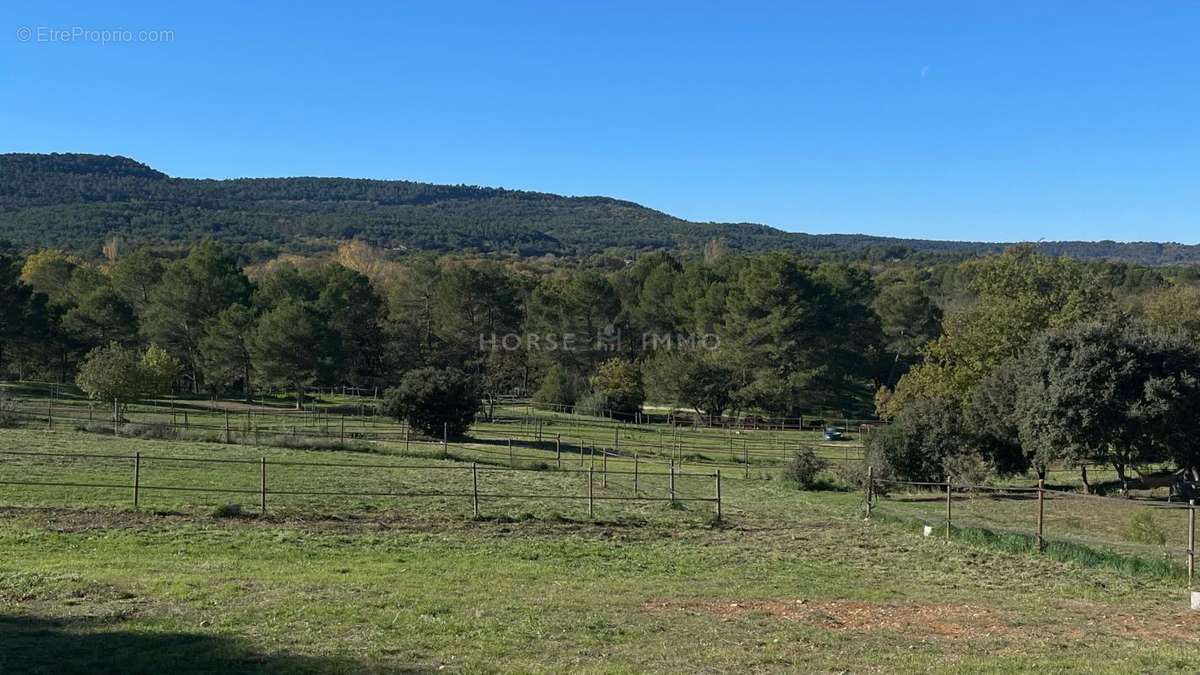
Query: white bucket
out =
(929, 532)
(1196, 600)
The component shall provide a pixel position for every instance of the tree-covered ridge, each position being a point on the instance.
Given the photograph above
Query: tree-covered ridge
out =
(78, 201)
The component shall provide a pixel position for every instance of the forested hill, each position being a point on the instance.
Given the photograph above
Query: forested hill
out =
(78, 201)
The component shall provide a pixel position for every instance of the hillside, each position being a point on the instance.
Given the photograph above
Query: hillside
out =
(77, 201)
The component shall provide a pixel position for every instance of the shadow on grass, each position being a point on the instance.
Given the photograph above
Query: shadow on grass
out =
(33, 644)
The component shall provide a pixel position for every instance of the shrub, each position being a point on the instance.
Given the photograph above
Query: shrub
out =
(429, 398)
(916, 446)
(966, 468)
(853, 475)
(228, 511)
(591, 403)
(149, 431)
(557, 388)
(803, 468)
(620, 382)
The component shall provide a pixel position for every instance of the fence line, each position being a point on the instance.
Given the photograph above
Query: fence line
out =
(873, 494)
(138, 462)
(248, 424)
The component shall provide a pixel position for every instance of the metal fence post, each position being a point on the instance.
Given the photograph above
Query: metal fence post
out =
(635, 473)
(558, 450)
(343, 429)
(1041, 506)
(445, 436)
(263, 486)
(604, 469)
(511, 460)
(137, 479)
(228, 439)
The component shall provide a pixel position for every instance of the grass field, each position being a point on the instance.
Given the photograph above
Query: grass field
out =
(789, 580)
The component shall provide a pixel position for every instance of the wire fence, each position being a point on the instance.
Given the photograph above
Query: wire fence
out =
(138, 480)
(259, 425)
(1139, 532)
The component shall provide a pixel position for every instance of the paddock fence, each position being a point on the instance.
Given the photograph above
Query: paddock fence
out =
(72, 479)
(1147, 531)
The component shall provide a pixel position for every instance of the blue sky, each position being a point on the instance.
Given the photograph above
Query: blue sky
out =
(952, 120)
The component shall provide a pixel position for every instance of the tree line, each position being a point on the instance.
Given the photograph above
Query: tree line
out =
(1050, 364)
(778, 334)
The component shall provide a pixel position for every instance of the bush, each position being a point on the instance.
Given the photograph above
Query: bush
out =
(916, 446)
(429, 398)
(228, 511)
(557, 388)
(803, 468)
(853, 475)
(591, 403)
(149, 431)
(620, 382)
(967, 468)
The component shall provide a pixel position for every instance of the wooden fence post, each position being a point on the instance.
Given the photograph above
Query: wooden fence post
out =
(718, 480)
(262, 489)
(1041, 506)
(475, 489)
(1191, 554)
(591, 506)
(870, 488)
(137, 479)
(672, 481)
(948, 520)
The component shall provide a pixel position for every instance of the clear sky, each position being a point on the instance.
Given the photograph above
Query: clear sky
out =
(957, 120)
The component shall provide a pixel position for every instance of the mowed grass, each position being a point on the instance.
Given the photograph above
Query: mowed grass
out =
(789, 581)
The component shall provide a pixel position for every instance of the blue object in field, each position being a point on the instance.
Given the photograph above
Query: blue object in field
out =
(833, 433)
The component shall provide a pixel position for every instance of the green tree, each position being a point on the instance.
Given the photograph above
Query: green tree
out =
(290, 348)
(434, 399)
(620, 383)
(134, 276)
(225, 349)
(1018, 295)
(119, 375)
(1111, 392)
(192, 292)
